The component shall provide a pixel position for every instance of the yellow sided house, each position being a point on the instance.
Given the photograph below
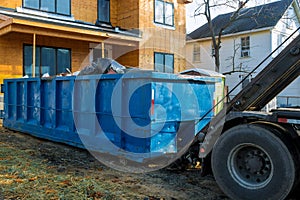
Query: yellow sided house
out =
(54, 36)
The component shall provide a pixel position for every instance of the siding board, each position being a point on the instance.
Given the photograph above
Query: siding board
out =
(130, 14)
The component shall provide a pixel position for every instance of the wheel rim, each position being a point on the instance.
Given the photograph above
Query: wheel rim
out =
(250, 166)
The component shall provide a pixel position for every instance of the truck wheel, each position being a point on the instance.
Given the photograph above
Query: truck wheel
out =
(250, 162)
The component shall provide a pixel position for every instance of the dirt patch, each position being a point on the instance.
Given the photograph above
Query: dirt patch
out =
(31, 168)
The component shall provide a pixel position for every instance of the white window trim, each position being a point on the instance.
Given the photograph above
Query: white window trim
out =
(245, 51)
(164, 25)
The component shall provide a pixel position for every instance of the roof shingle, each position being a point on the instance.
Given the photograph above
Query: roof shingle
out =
(258, 17)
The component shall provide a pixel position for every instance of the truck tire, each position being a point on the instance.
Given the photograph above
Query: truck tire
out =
(250, 162)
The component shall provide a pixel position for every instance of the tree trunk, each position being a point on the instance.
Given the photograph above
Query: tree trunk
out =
(217, 59)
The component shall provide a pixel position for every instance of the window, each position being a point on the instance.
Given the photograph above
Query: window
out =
(104, 11)
(62, 7)
(48, 60)
(164, 13)
(245, 46)
(196, 53)
(164, 62)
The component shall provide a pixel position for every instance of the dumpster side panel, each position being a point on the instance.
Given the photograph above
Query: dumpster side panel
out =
(33, 106)
(64, 105)
(21, 101)
(205, 93)
(33, 102)
(47, 105)
(134, 118)
(141, 113)
(105, 118)
(10, 100)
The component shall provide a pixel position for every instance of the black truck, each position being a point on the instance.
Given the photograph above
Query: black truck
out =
(255, 154)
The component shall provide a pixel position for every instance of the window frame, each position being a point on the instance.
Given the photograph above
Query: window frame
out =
(55, 5)
(164, 13)
(41, 59)
(164, 61)
(245, 47)
(98, 13)
(196, 53)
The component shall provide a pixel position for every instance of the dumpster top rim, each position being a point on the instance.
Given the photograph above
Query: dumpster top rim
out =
(136, 74)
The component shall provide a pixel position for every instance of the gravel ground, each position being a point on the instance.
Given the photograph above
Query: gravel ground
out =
(31, 168)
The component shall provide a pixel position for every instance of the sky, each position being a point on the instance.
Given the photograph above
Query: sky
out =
(193, 23)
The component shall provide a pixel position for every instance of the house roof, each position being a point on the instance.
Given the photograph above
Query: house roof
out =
(258, 17)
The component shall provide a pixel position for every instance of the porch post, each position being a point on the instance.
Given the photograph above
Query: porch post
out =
(103, 50)
(33, 55)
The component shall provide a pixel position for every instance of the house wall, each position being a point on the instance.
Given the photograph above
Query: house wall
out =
(77, 7)
(10, 3)
(283, 29)
(80, 49)
(139, 15)
(11, 56)
(125, 14)
(290, 96)
(131, 14)
(206, 59)
(80, 7)
(260, 47)
(230, 56)
(127, 56)
(262, 43)
(11, 52)
(159, 38)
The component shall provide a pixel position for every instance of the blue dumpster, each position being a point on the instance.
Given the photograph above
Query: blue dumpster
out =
(138, 112)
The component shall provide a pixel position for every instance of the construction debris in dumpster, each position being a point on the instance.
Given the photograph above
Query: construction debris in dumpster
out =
(103, 66)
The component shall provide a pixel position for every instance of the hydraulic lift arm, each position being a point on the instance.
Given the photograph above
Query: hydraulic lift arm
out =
(278, 74)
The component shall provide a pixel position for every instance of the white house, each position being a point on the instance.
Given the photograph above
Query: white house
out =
(246, 42)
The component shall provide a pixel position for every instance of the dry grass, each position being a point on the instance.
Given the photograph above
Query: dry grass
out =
(40, 173)
(37, 169)
(22, 177)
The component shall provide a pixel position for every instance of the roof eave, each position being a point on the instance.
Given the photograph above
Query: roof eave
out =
(21, 18)
(233, 34)
(5, 24)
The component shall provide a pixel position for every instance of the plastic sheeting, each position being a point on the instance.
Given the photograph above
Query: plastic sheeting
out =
(103, 66)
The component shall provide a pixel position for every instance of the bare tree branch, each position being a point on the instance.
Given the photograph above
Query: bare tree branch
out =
(205, 9)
